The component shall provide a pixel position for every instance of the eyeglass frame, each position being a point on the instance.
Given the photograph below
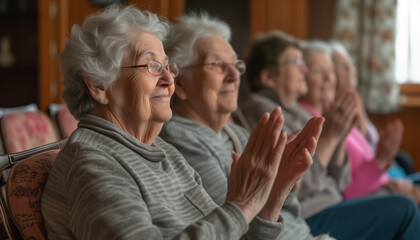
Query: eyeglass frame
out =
(215, 64)
(161, 67)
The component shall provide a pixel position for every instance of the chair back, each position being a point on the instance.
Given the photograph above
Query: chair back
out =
(21, 194)
(63, 119)
(25, 130)
(3, 111)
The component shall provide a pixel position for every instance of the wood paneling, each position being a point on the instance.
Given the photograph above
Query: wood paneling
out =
(410, 117)
(290, 16)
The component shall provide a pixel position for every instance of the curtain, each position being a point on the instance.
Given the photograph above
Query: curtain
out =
(367, 29)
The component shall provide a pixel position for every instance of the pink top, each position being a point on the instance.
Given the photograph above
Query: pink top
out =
(366, 176)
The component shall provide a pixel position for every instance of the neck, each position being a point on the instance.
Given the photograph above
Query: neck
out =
(214, 121)
(145, 131)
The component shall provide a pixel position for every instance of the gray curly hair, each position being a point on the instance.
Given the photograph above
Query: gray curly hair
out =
(96, 49)
(192, 27)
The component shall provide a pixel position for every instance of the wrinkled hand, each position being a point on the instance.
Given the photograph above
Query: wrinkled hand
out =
(389, 143)
(340, 118)
(296, 159)
(405, 187)
(253, 173)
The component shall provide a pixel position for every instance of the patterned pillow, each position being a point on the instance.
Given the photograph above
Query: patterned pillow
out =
(24, 190)
(25, 130)
(66, 122)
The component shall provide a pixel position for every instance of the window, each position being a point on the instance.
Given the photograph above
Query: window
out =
(407, 44)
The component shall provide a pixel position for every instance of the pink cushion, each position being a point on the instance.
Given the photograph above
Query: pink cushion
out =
(25, 130)
(24, 189)
(66, 122)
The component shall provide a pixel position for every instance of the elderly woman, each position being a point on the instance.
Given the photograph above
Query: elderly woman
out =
(368, 168)
(116, 179)
(276, 68)
(276, 76)
(206, 94)
(383, 148)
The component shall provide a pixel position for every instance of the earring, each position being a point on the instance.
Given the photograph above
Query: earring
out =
(100, 99)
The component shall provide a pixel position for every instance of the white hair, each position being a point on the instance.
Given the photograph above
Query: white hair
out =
(338, 47)
(96, 49)
(192, 27)
(316, 46)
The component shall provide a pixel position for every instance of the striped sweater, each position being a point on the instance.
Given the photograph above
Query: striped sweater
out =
(105, 184)
(209, 153)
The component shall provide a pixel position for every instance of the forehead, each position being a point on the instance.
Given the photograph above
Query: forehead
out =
(215, 47)
(146, 45)
(318, 58)
(340, 57)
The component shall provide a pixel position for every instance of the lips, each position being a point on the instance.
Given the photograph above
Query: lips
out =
(160, 95)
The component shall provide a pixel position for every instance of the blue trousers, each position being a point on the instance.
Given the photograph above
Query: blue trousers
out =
(380, 217)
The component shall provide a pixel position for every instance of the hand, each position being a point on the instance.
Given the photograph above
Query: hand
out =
(405, 187)
(339, 120)
(362, 118)
(296, 159)
(389, 144)
(253, 173)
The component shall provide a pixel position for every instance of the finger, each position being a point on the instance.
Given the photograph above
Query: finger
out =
(271, 133)
(313, 128)
(235, 160)
(254, 135)
(277, 152)
(292, 136)
(311, 146)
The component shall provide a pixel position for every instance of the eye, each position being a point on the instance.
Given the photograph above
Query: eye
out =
(155, 67)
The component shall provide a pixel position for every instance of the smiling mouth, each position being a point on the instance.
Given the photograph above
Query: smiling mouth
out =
(163, 96)
(227, 91)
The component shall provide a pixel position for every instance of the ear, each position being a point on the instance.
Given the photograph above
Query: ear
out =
(98, 93)
(267, 78)
(179, 87)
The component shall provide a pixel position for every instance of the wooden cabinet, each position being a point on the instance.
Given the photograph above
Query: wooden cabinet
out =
(18, 52)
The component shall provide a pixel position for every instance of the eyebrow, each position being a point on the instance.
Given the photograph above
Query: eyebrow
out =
(235, 56)
(140, 54)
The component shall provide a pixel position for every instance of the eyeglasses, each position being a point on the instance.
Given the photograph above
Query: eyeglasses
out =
(293, 61)
(156, 68)
(222, 67)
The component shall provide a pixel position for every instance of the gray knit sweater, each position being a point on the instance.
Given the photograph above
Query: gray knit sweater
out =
(105, 184)
(209, 153)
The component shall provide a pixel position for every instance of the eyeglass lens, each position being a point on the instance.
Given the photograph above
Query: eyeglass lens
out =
(223, 67)
(156, 68)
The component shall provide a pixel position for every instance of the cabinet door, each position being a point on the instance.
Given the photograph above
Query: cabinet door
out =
(55, 20)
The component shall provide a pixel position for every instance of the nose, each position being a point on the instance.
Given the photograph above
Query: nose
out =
(303, 68)
(166, 78)
(232, 73)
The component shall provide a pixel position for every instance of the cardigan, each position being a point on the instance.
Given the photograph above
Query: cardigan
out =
(106, 184)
